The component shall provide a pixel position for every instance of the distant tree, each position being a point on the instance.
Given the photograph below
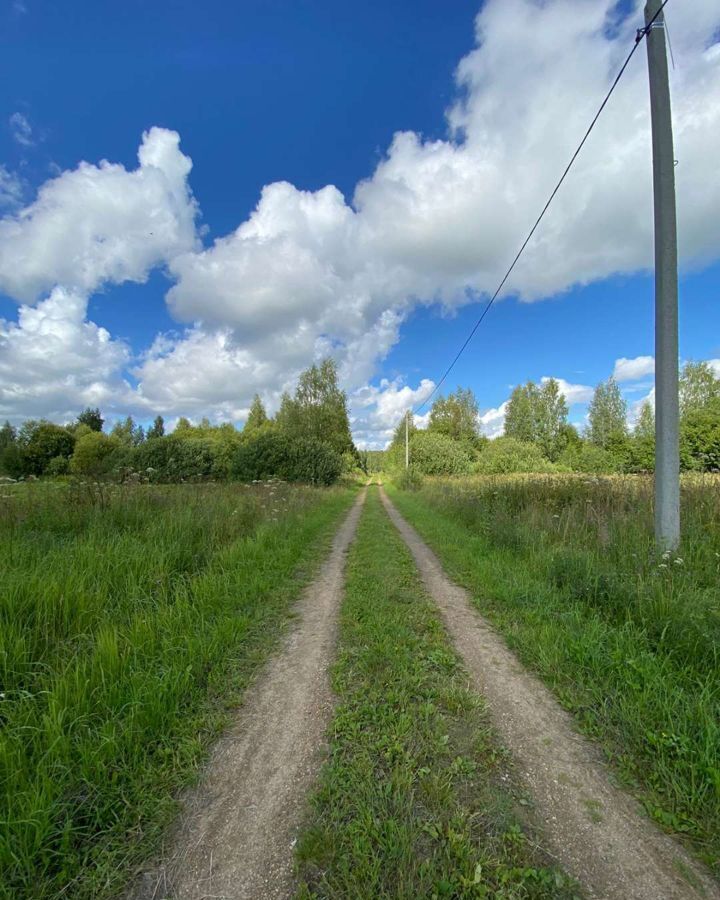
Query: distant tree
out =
(538, 414)
(183, 424)
(257, 417)
(91, 418)
(8, 435)
(318, 411)
(699, 387)
(645, 423)
(157, 429)
(607, 414)
(127, 433)
(520, 415)
(91, 452)
(700, 438)
(456, 416)
(550, 418)
(40, 442)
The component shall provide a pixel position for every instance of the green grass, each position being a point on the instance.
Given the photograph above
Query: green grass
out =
(414, 800)
(131, 620)
(628, 640)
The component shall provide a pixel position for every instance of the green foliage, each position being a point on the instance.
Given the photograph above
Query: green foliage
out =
(507, 454)
(8, 435)
(437, 454)
(319, 409)
(58, 465)
(699, 387)
(91, 418)
(257, 417)
(128, 433)
(538, 414)
(274, 454)
(157, 429)
(176, 458)
(700, 438)
(40, 442)
(456, 416)
(607, 415)
(91, 453)
(587, 457)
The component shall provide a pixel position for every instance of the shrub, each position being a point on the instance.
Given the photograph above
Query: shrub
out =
(589, 458)
(505, 455)
(275, 455)
(438, 454)
(91, 452)
(172, 458)
(44, 442)
(700, 439)
(58, 465)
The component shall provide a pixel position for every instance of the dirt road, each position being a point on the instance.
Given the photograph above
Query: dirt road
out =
(597, 832)
(237, 830)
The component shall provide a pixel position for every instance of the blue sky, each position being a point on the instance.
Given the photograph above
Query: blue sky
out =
(128, 285)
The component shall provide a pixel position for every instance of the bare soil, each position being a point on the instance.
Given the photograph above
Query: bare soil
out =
(237, 830)
(595, 829)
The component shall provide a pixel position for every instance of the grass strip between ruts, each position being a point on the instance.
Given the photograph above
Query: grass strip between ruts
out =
(415, 799)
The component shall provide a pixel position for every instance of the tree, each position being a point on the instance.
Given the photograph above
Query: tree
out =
(157, 429)
(91, 451)
(8, 435)
(91, 418)
(183, 424)
(538, 415)
(550, 417)
(700, 438)
(642, 444)
(519, 415)
(40, 442)
(127, 433)
(607, 414)
(257, 417)
(699, 387)
(645, 424)
(456, 416)
(318, 411)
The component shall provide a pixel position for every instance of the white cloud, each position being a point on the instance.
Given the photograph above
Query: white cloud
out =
(633, 369)
(53, 362)
(10, 189)
(573, 393)
(21, 129)
(310, 272)
(492, 421)
(375, 412)
(101, 224)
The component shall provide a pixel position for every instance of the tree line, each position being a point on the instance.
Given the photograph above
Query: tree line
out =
(308, 440)
(539, 438)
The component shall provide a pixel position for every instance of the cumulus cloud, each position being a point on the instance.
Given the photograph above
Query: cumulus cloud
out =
(11, 190)
(21, 130)
(376, 411)
(633, 369)
(101, 224)
(53, 362)
(311, 273)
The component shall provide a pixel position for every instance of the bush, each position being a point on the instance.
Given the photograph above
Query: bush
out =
(700, 439)
(44, 442)
(58, 465)
(409, 480)
(589, 458)
(275, 455)
(91, 453)
(172, 458)
(505, 455)
(437, 454)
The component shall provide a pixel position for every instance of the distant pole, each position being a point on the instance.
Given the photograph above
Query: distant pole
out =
(667, 443)
(407, 438)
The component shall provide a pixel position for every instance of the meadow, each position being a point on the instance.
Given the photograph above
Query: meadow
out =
(628, 639)
(132, 617)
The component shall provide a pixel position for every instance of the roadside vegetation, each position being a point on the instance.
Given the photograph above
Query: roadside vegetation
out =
(565, 567)
(131, 619)
(415, 800)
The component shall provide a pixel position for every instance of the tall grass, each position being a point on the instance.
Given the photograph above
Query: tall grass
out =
(566, 568)
(130, 618)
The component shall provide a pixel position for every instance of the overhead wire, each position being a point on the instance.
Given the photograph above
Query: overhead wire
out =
(641, 33)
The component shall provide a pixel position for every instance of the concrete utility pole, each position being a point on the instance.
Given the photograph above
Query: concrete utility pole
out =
(667, 442)
(407, 438)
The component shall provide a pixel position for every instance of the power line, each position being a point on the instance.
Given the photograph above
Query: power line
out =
(641, 33)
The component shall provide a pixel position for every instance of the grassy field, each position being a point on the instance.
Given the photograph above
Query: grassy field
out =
(566, 569)
(131, 619)
(414, 801)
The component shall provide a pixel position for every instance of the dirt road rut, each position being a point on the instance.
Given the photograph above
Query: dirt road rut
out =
(238, 827)
(596, 831)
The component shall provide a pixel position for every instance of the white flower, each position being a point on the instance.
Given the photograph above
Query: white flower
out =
(662, 566)
(678, 561)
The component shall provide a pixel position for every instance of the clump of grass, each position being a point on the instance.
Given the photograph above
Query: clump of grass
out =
(414, 800)
(131, 618)
(566, 568)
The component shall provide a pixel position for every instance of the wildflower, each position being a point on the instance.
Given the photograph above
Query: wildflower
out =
(662, 566)
(678, 561)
